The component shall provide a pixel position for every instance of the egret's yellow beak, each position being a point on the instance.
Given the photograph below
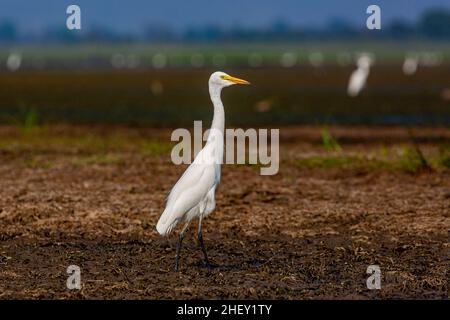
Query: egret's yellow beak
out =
(235, 80)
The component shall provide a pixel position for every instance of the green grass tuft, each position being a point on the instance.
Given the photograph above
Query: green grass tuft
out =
(444, 155)
(155, 148)
(329, 142)
(413, 160)
(341, 162)
(35, 163)
(30, 122)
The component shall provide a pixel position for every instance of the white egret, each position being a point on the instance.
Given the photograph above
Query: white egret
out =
(14, 61)
(316, 59)
(359, 77)
(410, 65)
(193, 194)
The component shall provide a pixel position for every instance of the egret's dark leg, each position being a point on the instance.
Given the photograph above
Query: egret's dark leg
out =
(180, 240)
(202, 244)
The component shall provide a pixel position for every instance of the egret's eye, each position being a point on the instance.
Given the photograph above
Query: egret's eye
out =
(222, 77)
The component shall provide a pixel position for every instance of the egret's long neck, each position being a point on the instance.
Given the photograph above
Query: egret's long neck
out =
(218, 122)
(216, 133)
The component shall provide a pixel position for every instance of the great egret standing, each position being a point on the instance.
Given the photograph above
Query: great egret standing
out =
(359, 77)
(193, 194)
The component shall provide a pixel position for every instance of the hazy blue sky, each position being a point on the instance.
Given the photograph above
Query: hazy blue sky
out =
(133, 15)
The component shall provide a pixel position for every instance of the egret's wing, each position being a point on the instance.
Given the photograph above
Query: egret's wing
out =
(204, 159)
(356, 83)
(190, 189)
(190, 197)
(190, 178)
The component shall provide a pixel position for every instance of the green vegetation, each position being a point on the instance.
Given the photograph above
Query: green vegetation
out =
(444, 155)
(413, 160)
(342, 162)
(407, 160)
(155, 148)
(329, 142)
(176, 98)
(33, 162)
(31, 120)
(43, 138)
(88, 146)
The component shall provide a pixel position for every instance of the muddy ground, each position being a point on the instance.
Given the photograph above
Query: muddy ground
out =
(91, 196)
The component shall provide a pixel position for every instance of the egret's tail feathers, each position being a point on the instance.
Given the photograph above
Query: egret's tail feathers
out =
(165, 224)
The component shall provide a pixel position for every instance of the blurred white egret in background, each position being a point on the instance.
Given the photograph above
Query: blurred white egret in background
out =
(288, 59)
(431, 59)
(132, 61)
(410, 64)
(193, 196)
(118, 60)
(14, 61)
(358, 78)
(316, 59)
(159, 61)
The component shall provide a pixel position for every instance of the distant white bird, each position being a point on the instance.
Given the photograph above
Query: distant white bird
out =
(410, 65)
(14, 61)
(193, 194)
(358, 78)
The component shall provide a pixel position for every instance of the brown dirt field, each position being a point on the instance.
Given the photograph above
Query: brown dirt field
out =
(92, 196)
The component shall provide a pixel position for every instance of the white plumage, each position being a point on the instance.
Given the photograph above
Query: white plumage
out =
(193, 196)
(359, 77)
(410, 65)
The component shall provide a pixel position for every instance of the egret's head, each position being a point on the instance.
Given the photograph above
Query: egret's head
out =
(221, 80)
(364, 61)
